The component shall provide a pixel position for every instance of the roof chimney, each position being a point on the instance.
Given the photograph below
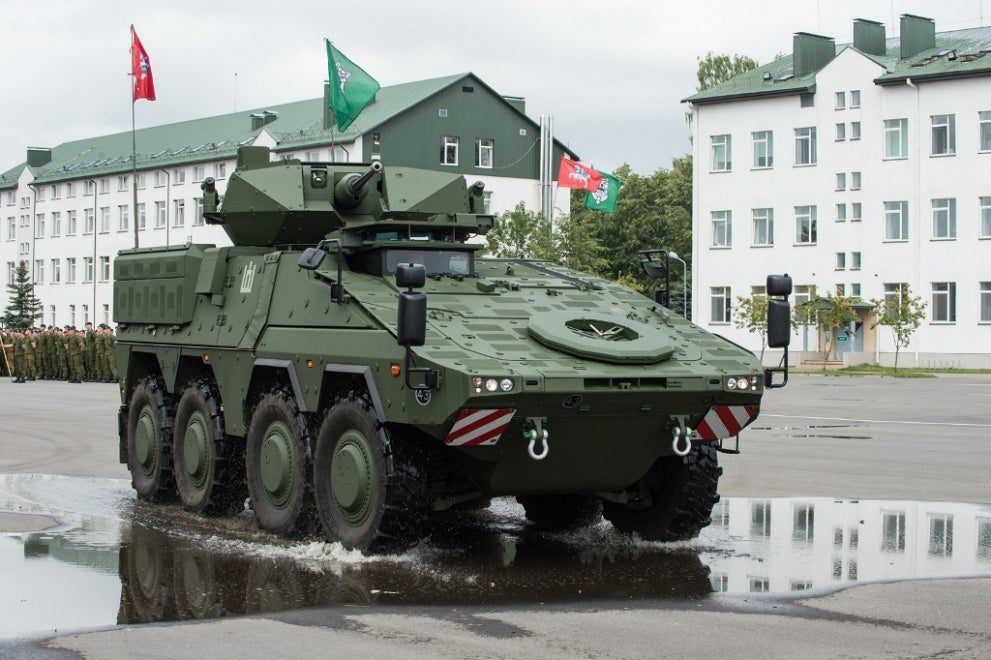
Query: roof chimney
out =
(811, 52)
(868, 37)
(918, 33)
(38, 157)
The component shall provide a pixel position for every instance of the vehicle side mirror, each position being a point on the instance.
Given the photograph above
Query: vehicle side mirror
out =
(778, 323)
(411, 323)
(311, 258)
(412, 276)
(779, 285)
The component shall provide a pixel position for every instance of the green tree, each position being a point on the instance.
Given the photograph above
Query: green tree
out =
(522, 234)
(715, 69)
(750, 314)
(903, 313)
(833, 312)
(24, 307)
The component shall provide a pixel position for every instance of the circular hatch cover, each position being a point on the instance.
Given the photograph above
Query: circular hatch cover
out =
(596, 337)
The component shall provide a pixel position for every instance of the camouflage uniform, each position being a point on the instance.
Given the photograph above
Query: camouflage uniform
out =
(99, 357)
(61, 354)
(89, 356)
(77, 348)
(5, 360)
(30, 343)
(18, 351)
(111, 354)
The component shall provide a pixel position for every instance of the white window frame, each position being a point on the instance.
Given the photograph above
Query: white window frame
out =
(763, 221)
(484, 153)
(854, 130)
(984, 119)
(56, 223)
(70, 270)
(944, 215)
(199, 173)
(763, 150)
(161, 215)
(806, 225)
(56, 265)
(104, 268)
(722, 229)
(985, 302)
(87, 269)
(985, 217)
(71, 222)
(856, 211)
(840, 132)
(896, 221)
(720, 309)
(722, 153)
(179, 213)
(944, 135)
(896, 138)
(841, 100)
(104, 219)
(805, 146)
(841, 212)
(855, 180)
(840, 261)
(944, 302)
(855, 260)
(840, 181)
(123, 217)
(854, 98)
(89, 223)
(450, 145)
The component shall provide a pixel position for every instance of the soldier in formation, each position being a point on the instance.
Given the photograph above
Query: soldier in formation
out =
(51, 353)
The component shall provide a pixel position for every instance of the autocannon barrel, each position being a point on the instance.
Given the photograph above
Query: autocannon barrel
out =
(351, 189)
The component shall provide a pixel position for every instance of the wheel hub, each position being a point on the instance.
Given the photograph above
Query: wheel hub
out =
(351, 477)
(145, 439)
(196, 448)
(276, 462)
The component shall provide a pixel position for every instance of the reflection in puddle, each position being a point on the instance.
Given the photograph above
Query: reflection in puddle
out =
(115, 560)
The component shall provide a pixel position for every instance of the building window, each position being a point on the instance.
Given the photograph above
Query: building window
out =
(855, 180)
(104, 219)
(807, 101)
(104, 269)
(805, 145)
(944, 304)
(11, 228)
(944, 218)
(56, 271)
(104, 186)
(106, 313)
(123, 218)
(179, 215)
(39, 225)
(122, 182)
(87, 270)
(985, 217)
(89, 224)
(39, 271)
(161, 213)
(70, 189)
(763, 226)
(720, 304)
(161, 178)
(841, 213)
(760, 519)
(985, 121)
(893, 531)
(840, 100)
(855, 130)
(56, 223)
(141, 215)
(941, 534)
(197, 211)
(179, 176)
(840, 132)
(855, 287)
(841, 181)
(855, 98)
(763, 149)
(484, 149)
(220, 170)
(985, 302)
(56, 191)
(854, 261)
(944, 138)
(85, 313)
(805, 225)
(722, 153)
(70, 270)
(199, 173)
(72, 315)
(896, 138)
(841, 261)
(141, 181)
(722, 228)
(896, 221)
(856, 209)
(449, 150)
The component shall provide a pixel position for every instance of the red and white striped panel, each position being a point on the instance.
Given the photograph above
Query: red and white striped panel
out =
(725, 421)
(479, 427)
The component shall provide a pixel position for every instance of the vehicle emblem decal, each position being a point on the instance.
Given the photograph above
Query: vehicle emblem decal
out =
(248, 279)
(572, 401)
(598, 329)
(479, 427)
(724, 422)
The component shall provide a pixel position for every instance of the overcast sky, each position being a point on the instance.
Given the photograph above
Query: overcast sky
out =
(611, 73)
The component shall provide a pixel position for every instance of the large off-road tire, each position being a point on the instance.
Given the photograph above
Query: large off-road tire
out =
(683, 492)
(359, 502)
(149, 440)
(209, 466)
(561, 512)
(278, 459)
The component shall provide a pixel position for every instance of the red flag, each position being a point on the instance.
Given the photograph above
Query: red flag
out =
(144, 85)
(577, 175)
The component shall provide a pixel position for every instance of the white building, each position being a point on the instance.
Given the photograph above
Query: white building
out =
(68, 210)
(857, 170)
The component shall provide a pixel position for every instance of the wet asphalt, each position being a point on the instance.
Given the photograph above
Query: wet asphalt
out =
(857, 505)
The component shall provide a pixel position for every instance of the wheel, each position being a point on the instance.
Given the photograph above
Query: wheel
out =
(359, 503)
(682, 493)
(146, 570)
(562, 512)
(208, 466)
(149, 441)
(277, 465)
(197, 590)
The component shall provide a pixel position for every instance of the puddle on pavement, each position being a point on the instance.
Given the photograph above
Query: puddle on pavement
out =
(113, 560)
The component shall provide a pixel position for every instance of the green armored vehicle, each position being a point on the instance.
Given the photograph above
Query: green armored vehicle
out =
(351, 365)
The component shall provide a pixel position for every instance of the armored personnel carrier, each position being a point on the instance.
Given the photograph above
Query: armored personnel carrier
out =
(351, 364)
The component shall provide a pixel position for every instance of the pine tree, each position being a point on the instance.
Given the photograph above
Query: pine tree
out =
(24, 307)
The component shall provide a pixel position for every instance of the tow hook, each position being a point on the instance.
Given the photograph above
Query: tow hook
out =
(533, 431)
(681, 433)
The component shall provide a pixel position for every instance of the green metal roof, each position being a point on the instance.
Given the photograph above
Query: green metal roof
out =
(296, 125)
(971, 47)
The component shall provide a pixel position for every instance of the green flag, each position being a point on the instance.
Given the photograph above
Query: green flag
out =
(604, 197)
(351, 89)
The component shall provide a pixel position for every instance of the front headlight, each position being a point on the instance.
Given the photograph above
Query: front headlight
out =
(481, 384)
(742, 383)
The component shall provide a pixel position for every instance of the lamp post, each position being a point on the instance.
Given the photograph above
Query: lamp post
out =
(684, 283)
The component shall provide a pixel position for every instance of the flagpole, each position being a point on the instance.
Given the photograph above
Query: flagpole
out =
(134, 175)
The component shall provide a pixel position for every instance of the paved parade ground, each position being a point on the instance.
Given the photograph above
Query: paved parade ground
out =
(869, 438)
